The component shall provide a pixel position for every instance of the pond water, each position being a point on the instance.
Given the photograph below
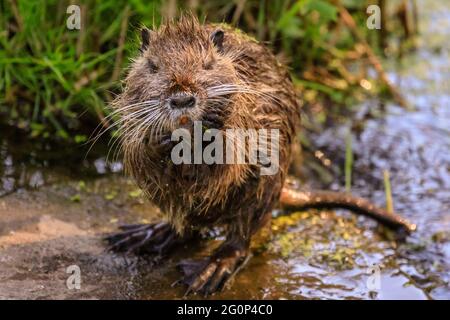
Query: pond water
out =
(55, 205)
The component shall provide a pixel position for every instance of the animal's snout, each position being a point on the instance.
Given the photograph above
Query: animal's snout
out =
(184, 101)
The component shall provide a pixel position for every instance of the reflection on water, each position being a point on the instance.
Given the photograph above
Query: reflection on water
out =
(415, 148)
(31, 164)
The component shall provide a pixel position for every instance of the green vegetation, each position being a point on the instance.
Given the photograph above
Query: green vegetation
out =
(55, 83)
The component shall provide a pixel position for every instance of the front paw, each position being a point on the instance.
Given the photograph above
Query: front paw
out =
(161, 145)
(156, 238)
(165, 143)
(212, 121)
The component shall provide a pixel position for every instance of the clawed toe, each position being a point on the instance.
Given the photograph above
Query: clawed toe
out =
(210, 275)
(150, 238)
(205, 276)
(213, 121)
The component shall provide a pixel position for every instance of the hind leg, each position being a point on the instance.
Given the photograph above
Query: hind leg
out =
(155, 238)
(211, 275)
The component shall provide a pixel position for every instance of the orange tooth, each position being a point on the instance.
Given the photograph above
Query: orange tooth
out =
(183, 120)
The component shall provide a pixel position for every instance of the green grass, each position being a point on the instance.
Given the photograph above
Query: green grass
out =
(55, 82)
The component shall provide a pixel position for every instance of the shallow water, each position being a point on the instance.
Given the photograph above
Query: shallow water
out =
(54, 207)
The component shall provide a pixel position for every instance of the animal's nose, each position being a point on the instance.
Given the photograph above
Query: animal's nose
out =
(185, 101)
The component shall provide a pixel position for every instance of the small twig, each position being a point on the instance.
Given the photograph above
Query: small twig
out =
(16, 14)
(415, 16)
(384, 25)
(82, 31)
(121, 44)
(83, 81)
(240, 5)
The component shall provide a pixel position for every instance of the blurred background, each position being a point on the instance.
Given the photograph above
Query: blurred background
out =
(56, 82)
(376, 119)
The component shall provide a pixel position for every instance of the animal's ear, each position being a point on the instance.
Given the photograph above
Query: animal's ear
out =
(217, 38)
(145, 37)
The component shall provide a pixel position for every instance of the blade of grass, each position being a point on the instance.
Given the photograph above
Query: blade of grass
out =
(348, 162)
(388, 192)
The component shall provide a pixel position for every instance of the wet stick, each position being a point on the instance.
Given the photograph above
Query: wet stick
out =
(121, 44)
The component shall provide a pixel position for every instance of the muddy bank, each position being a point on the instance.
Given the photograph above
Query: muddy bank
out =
(308, 255)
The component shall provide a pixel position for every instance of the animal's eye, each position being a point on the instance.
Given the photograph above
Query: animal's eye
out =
(152, 66)
(208, 65)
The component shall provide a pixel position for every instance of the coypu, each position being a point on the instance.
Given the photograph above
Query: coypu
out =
(187, 72)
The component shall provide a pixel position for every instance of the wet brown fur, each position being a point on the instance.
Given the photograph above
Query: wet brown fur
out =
(194, 196)
(237, 85)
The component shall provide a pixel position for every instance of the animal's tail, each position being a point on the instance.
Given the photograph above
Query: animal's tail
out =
(292, 199)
